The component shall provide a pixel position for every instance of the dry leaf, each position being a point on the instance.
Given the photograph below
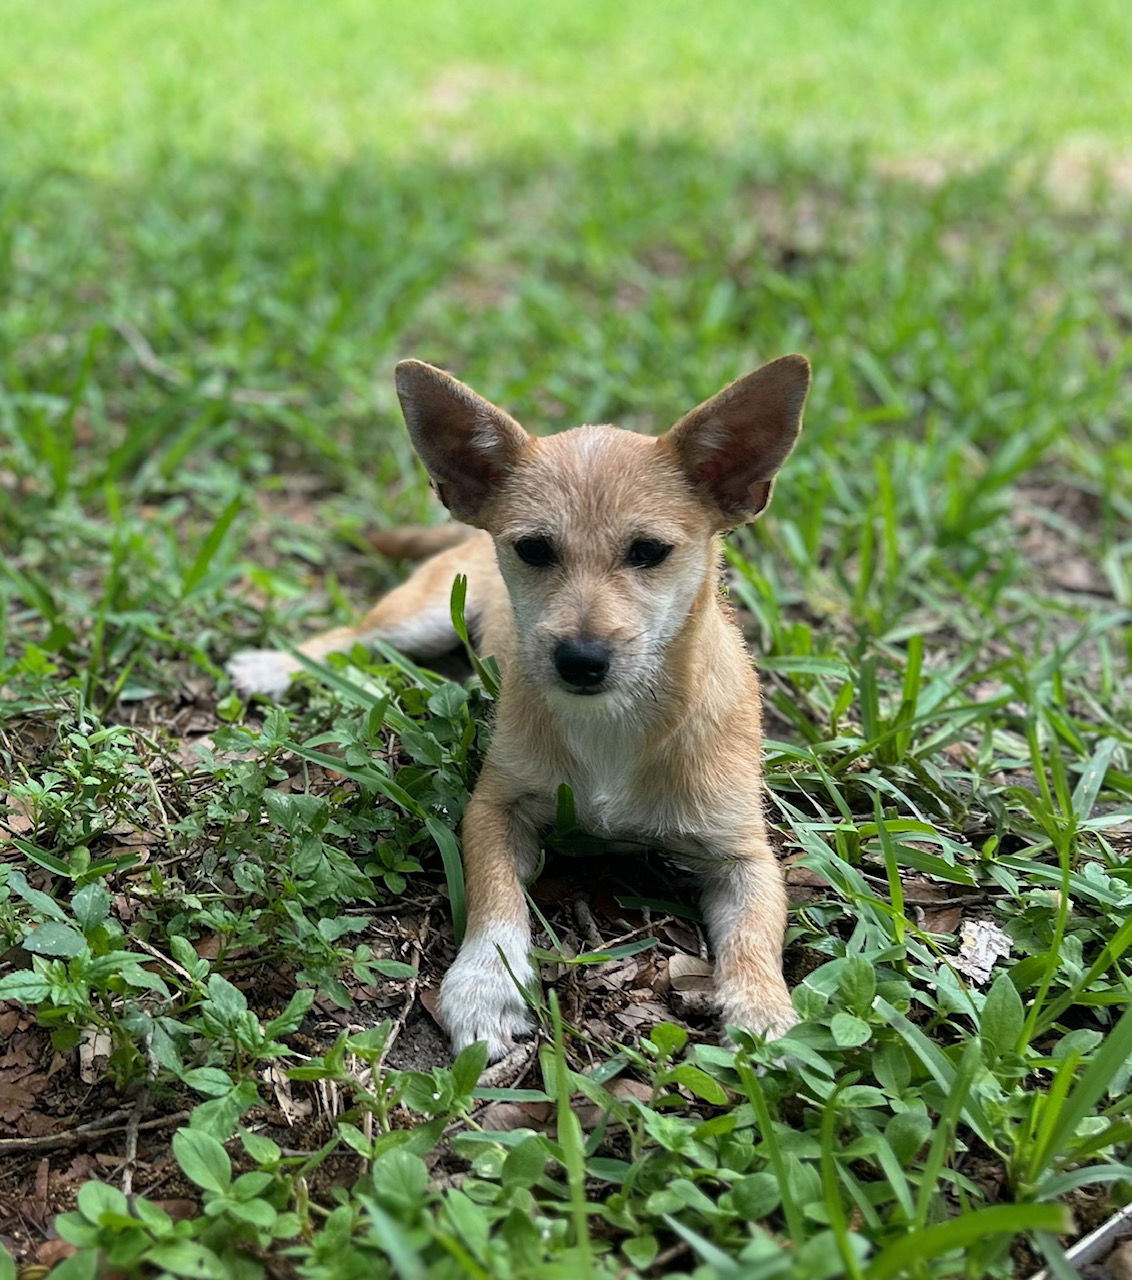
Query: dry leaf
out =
(95, 1048)
(806, 878)
(690, 973)
(681, 935)
(430, 998)
(502, 1117)
(940, 919)
(52, 1251)
(589, 1113)
(981, 943)
(179, 1210)
(292, 1109)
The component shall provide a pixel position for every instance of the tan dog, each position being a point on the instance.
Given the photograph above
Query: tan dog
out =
(593, 577)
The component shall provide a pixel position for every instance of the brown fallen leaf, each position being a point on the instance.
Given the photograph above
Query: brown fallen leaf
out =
(208, 946)
(690, 973)
(940, 919)
(681, 935)
(805, 878)
(430, 998)
(643, 1015)
(95, 1048)
(291, 1108)
(15, 1101)
(503, 1117)
(179, 1210)
(589, 1113)
(51, 1252)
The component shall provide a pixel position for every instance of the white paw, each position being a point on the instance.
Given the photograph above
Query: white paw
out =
(479, 997)
(771, 1016)
(262, 671)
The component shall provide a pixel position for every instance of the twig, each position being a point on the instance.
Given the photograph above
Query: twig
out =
(509, 1069)
(152, 363)
(168, 961)
(665, 1256)
(588, 925)
(131, 1156)
(956, 900)
(146, 356)
(641, 928)
(93, 1129)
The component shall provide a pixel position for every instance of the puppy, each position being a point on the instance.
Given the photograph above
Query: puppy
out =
(593, 567)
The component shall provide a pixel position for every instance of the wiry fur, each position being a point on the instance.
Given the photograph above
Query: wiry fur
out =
(668, 751)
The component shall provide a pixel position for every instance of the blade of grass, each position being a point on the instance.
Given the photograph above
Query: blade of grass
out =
(209, 547)
(958, 1233)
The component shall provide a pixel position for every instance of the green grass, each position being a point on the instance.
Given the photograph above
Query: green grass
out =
(219, 229)
(109, 86)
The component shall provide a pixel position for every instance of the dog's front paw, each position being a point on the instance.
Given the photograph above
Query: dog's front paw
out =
(770, 1015)
(481, 997)
(266, 671)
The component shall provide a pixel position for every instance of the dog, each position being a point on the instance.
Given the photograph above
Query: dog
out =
(593, 566)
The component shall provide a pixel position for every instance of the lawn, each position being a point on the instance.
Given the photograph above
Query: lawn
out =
(223, 923)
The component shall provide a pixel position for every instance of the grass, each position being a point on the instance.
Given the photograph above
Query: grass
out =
(228, 909)
(330, 80)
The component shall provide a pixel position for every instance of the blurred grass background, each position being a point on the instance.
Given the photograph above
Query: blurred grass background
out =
(105, 86)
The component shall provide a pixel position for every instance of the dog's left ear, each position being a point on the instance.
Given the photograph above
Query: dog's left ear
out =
(467, 444)
(731, 446)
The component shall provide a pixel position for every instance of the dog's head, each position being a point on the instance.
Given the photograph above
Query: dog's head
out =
(605, 538)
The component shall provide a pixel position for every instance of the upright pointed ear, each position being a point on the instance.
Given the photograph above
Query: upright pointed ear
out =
(731, 446)
(466, 443)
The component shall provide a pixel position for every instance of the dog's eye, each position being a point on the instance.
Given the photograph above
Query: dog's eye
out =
(645, 553)
(536, 551)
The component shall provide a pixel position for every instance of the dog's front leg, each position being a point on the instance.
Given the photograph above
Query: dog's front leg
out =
(744, 904)
(481, 996)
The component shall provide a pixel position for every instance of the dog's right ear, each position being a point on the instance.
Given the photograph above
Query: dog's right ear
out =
(466, 443)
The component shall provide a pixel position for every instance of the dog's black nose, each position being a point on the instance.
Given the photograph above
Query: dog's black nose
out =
(582, 663)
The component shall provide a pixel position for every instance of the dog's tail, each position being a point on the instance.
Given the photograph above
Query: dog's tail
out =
(418, 542)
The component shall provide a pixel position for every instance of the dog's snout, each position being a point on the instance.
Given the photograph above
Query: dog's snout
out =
(582, 663)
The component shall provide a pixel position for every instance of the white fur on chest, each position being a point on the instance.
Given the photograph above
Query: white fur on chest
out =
(604, 773)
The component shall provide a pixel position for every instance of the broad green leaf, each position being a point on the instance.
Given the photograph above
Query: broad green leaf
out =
(468, 1068)
(525, 1163)
(97, 1200)
(91, 905)
(210, 1081)
(189, 1259)
(699, 1083)
(392, 969)
(55, 939)
(203, 1159)
(907, 1132)
(848, 1030)
(42, 902)
(1003, 1015)
(23, 985)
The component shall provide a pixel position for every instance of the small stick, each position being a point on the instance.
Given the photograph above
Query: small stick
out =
(93, 1129)
(588, 925)
(152, 363)
(509, 1069)
(131, 1156)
